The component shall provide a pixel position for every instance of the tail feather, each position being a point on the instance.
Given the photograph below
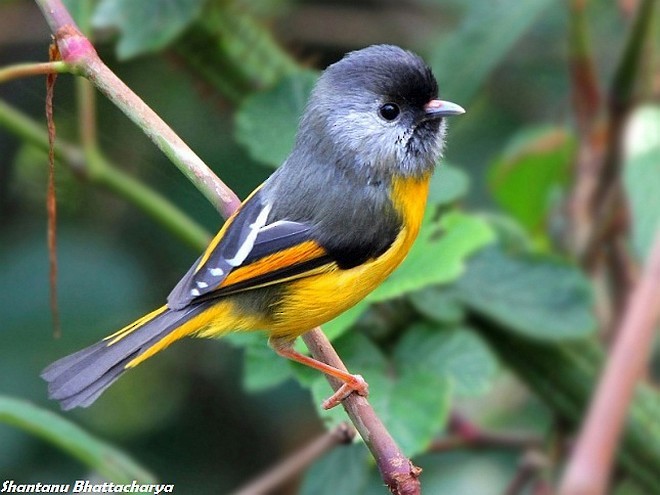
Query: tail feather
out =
(87, 396)
(80, 378)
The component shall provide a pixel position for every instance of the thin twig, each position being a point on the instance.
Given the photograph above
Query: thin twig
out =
(397, 471)
(76, 50)
(51, 196)
(487, 440)
(528, 469)
(587, 105)
(589, 468)
(608, 197)
(32, 69)
(298, 461)
(98, 170)
(586, 90)
(464, 434)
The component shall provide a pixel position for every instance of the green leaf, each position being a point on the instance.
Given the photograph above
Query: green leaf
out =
(80, 11)
(533, 165)
(457, 353)
(336, 327)
(456, 236)
(641, 176)
(464, 59)
(438, 304)
(266, 122)
(232, 49)
(263, 368)
(393, 387)
(146, 26)
(438, 255)
(533, 295)
(467, 473)
(345, 469)
(98, 455)
(414, 407)
(448, 184)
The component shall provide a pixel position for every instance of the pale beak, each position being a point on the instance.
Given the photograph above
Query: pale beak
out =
(439, 108)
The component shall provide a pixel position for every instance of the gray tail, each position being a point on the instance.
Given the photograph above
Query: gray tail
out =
(79, 379)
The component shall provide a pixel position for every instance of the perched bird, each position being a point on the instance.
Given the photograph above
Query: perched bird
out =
(323, 231)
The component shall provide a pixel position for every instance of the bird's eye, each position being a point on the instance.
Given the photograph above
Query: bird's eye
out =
(389, 111)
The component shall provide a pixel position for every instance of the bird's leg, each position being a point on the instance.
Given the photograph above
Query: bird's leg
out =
(352, 383)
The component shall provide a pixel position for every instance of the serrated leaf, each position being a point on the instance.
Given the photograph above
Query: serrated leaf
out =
(414, 408)
(487, 33)
(438, 255)
(457, 353)
(266, 122)
(361, 356)
(641, 176)
(532, 295)
(146, 27)
(412, 402)
(534, 164)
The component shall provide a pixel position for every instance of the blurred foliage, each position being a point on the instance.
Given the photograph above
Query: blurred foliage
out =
(109, 462)
(489, 289)
(146, 27)
(533, 166)
(642, 176)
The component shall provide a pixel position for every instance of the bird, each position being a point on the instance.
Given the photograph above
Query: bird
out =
(324, 230)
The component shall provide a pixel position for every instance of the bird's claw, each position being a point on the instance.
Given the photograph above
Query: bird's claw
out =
(358, 385)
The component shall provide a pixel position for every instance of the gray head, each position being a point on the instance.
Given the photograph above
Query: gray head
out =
(377, 109)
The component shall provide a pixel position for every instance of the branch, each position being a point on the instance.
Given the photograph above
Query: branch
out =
(607, 198)
(587, 99)
(77, 51)
(586, 91)
(300, 460)
(32, 69)
(529, 467)
(589, 468)
(398, 471)
(467, 435)
(98, 170)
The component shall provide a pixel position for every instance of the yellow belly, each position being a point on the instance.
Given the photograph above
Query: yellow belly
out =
(310, 301)
(314, 300)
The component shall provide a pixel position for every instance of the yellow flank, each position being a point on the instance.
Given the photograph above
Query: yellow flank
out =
(306, 302)
(312, 301)
(217, 320)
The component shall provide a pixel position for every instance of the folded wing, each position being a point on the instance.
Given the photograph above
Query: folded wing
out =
(250, 252)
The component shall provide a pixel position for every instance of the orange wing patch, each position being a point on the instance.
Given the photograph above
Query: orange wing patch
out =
(300, 253)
